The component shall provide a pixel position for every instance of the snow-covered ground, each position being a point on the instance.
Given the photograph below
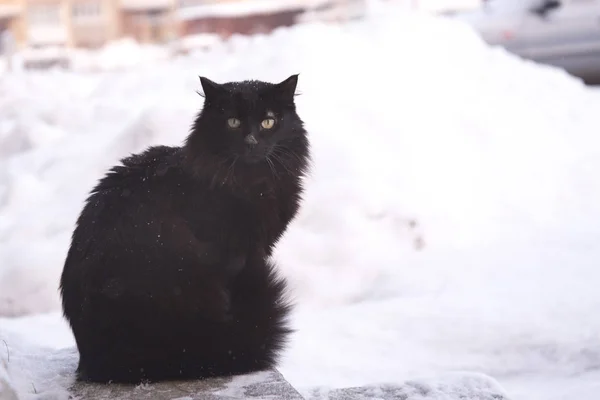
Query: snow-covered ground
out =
(450, 223)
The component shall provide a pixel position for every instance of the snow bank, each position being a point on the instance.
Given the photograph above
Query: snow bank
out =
(118, 54)
(36, 372)
(453, 386)
(450, 221)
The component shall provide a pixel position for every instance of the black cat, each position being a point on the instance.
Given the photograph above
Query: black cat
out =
(168, 276)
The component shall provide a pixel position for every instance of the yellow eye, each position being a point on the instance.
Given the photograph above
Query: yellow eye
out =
(234, 122)
(267, 123)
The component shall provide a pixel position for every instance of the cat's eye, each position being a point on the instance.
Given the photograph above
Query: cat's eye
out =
(267, 123)
(234, 123)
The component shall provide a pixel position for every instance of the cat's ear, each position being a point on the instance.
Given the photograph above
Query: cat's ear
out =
(209, 87)
(287, 88)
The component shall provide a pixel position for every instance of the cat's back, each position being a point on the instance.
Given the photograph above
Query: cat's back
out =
(141, 175)
(131, 197)
(141, 179)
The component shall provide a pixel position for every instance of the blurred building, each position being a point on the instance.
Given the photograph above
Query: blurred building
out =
(245, 17)
(10, 21)
(334, 11)
(85, 23)
(43, 24)
(149, 21)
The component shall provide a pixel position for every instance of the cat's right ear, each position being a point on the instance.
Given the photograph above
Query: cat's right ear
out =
(288, 87)
(209, 87)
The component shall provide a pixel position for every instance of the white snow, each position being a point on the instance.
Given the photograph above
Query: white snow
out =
(47, 34)
(7, 391)
(119, 54)
(197, 41)
(35, 372)
(448, 386)
(450, 223)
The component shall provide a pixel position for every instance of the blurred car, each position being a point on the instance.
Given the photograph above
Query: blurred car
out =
(333, 11)
(45, 57)
(563, 33)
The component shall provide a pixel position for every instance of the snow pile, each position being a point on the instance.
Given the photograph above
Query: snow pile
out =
(450, 221)
(118, 54)
(445, 387)
(36, 372)
(200, 41)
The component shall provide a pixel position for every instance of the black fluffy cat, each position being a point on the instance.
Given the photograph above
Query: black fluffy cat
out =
(168, 276)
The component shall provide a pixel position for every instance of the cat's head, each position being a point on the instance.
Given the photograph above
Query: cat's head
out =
(249, 121)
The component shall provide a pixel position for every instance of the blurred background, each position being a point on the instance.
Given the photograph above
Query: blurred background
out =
(44, 33)
(451, 221)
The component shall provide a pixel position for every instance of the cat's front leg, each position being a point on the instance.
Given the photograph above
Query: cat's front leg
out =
(231, 269)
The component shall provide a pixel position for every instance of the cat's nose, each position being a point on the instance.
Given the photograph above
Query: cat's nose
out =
(250, 140)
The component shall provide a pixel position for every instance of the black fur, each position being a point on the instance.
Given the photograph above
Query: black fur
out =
(168, 275)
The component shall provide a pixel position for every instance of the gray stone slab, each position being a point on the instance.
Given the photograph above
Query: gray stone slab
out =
(260, 385)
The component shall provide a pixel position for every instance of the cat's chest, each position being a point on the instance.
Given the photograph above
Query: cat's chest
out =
(262, 209)
(265, 204)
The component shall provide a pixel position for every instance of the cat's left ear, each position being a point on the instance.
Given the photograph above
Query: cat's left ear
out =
(287, 88)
